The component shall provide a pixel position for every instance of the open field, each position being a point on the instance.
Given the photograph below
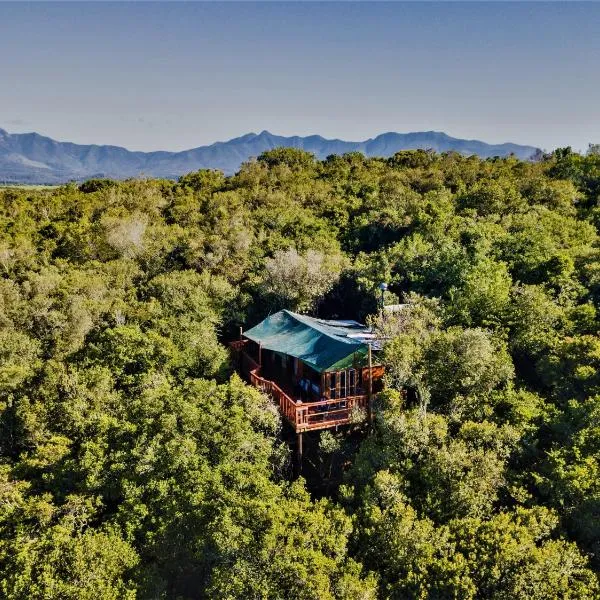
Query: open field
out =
(26, 186)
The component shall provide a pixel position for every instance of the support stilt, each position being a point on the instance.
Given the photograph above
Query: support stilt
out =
(370, 398)
(299, 452)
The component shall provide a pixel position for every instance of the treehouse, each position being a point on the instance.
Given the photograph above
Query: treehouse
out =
(321, 373)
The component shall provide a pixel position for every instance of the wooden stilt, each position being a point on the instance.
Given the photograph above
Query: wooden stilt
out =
(241, 333)
(370, 397)
(299, 452)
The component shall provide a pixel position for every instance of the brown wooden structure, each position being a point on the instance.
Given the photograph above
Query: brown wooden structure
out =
(321, 374)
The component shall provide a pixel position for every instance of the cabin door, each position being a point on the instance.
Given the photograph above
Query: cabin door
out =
(351, 382)
(333, 380)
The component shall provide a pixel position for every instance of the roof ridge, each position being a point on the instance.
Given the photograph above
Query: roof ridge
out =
(313, 322)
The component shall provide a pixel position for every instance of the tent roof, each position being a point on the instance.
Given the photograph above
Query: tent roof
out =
(324, 345)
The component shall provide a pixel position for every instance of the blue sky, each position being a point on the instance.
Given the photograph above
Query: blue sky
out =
(177, 75)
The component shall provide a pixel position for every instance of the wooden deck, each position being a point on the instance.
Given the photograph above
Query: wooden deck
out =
(302, 416)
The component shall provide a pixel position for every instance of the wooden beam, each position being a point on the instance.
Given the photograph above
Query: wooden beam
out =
(299, 452)
(370, 395)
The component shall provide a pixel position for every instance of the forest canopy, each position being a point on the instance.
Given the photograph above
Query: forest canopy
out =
(135, 463)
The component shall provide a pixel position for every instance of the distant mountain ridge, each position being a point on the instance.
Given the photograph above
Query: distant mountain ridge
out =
(33, 158)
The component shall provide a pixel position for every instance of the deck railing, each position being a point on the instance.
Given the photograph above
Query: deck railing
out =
(303, 416)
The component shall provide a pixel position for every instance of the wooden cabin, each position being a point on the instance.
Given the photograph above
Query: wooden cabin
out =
(321, 373)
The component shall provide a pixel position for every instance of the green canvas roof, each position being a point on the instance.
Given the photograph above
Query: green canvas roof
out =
(324, 345)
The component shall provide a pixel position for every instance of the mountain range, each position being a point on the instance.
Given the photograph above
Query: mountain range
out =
(34, 158)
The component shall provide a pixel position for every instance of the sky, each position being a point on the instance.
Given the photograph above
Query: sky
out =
(172, 76)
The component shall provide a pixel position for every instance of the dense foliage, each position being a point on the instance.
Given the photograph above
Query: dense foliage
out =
(135, 464)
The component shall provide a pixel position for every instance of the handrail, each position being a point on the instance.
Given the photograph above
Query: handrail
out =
(302, 415)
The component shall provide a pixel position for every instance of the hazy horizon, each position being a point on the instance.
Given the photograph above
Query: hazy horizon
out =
(172, 76)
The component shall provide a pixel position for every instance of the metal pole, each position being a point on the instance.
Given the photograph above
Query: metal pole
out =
(370, 398)
(260, 354)
(383, 286)
(241, 333)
